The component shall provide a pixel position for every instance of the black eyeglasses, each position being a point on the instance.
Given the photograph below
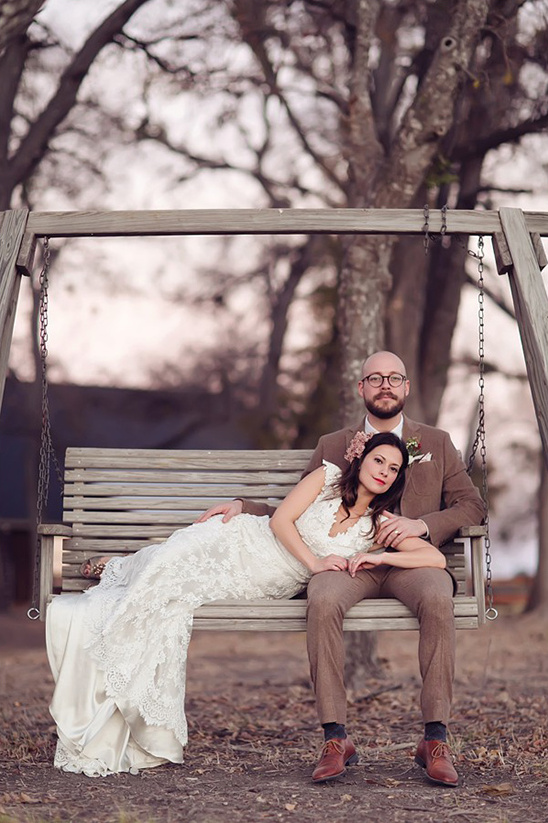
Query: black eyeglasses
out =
(376, 380)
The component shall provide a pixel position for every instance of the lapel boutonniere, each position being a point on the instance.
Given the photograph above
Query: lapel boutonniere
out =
(413, 450)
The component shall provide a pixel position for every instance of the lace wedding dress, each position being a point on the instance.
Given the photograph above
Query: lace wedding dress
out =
(118, 652)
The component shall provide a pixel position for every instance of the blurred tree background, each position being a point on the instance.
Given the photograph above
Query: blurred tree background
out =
(284, 104)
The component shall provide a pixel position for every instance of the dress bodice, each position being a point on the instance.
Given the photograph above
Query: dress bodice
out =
(316, 522)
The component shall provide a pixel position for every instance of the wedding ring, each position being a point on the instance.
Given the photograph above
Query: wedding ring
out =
(397, 531)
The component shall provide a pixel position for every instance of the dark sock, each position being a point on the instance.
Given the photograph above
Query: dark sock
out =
(435, 731)
(331, 730)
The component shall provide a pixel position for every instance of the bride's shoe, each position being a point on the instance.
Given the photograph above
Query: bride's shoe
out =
(93, 567)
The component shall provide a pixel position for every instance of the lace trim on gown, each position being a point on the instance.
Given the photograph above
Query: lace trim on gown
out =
(141, 615)
(69, 762)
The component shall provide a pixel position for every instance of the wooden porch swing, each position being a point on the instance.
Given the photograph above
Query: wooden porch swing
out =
(117, 500)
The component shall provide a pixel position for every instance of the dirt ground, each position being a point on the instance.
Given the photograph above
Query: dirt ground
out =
(254, 737)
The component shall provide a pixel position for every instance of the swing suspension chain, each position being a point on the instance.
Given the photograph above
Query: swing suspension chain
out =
(432, 238)
(47, 452)
(479, 439)
(479, 436)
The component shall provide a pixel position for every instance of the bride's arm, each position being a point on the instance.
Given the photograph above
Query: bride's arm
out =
(290, 509)
(412, 553)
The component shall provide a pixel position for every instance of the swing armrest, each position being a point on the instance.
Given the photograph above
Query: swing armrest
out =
(475, 535)
(54, 530)
(48, 532)
(472, 531)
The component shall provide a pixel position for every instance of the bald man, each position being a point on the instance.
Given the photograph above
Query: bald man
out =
(438, 499)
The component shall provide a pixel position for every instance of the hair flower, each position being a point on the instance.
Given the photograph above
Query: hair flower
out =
(357, 445)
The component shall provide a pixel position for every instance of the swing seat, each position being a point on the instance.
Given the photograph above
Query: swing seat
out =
(118, 500)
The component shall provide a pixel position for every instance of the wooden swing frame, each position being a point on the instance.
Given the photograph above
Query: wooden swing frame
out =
(518, 250)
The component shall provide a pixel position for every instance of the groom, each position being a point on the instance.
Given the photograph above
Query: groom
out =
(438, 499)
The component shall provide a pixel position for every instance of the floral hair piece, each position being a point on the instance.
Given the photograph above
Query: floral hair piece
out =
(357, 445)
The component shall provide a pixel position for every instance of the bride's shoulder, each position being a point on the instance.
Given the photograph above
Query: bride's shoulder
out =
(332, 471)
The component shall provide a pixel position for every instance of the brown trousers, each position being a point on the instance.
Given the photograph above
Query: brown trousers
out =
(429, 595)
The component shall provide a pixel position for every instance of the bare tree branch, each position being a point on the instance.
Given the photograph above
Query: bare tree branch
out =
(127, 42)
(495, 298)
(256, 41)
(12, 64)
(478, 148)
(15, 18)
(424, 125)
(33, 146)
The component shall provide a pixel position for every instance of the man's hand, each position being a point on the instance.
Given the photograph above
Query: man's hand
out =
(229, 510)
(392, 531)
(331, 563)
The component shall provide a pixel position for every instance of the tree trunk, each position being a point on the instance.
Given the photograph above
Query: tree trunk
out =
(405, 310)
(302, 259)
(388, 180)
(362, 661)
(365, 282)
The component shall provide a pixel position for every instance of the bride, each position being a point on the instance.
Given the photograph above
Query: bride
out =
(118, 652)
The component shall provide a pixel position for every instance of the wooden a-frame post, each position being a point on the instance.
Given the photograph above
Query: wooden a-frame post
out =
(12, 230)
(524, 263)
(516, 236)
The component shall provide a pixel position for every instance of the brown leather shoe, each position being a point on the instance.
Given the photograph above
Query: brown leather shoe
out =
(336, 755)
(435, 757)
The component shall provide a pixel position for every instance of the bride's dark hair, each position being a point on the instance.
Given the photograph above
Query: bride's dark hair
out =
(347, 485)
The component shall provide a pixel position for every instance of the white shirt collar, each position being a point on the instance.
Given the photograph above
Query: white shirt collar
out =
(397, 430)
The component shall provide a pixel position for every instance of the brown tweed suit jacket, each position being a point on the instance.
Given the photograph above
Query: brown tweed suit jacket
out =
(438, 491)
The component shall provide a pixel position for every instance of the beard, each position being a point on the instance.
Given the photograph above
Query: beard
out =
(384, 411)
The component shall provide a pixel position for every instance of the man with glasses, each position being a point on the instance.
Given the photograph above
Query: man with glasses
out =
(438, 499)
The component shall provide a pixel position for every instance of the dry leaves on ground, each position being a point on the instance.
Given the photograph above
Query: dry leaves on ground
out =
(254, 740)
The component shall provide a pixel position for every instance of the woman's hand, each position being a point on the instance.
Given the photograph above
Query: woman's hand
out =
(364, 560)
(331, 563)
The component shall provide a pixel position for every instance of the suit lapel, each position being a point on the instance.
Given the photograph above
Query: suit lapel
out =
(410, 429)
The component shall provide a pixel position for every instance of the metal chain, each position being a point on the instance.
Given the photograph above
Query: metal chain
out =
(46, 446)
(426, 227)
(479, 440)
(443, 230)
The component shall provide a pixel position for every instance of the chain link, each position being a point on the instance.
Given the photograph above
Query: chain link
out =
(443, 230)
(426, 228)
(47, 452)
(432, 238)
